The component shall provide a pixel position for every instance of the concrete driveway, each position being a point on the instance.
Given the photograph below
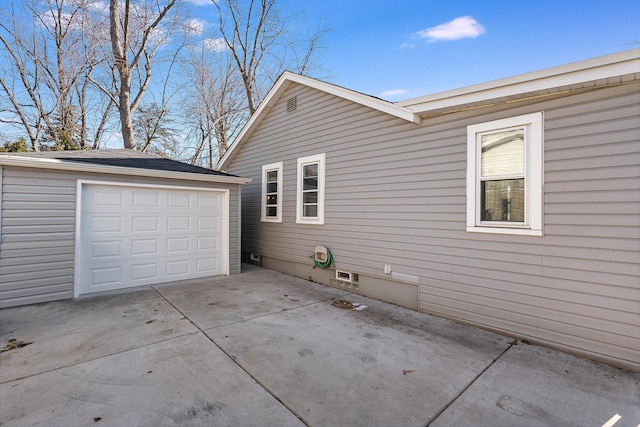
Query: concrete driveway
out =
(265, 349)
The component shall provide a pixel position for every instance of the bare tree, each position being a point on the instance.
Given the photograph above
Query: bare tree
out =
(21, 79)
(152, 127)
(95, 107)
(261, 44)
(229, 75)
(47, 64)
(134, 54)
(213, 103)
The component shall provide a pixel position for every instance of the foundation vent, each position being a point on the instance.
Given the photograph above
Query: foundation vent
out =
(292, 104)
(347, 277)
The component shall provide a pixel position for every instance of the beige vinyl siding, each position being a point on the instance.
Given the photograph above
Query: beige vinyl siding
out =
(38, 231)
(37, 248)
(235, 208)
(395, 194)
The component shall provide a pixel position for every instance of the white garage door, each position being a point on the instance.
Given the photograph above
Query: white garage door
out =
(133, 236)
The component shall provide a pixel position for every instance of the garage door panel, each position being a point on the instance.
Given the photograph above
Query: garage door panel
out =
(178, 200)
(178, 267)
(100, 224)
(207, 203)
(206, 265)
(177, 245)
(178, 223)
(105, 249)
(145, 247)
(147, 273)
(207, 223)
(105, 197)
(148, 199)
(145, 224)
(205, 243)
(106, 276)
(133, 236)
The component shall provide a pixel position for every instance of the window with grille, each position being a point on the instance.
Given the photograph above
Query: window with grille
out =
(310, 197)
(272, 192)
(504, 175)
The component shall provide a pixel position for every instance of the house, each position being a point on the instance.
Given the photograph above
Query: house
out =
(78, 222)
(512, 205)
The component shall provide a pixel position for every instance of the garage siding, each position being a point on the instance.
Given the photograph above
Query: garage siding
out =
(38, 223)
(38, 231)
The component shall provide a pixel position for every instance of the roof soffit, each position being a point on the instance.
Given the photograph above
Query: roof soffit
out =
(610, 69)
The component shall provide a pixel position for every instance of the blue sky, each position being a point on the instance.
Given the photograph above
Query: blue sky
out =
(399, 49)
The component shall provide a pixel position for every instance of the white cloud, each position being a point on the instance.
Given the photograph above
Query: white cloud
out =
(216, 45)
(393, 92)
(407, 46)
(459, 28)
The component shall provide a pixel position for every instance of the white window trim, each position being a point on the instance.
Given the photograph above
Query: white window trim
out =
(320, 159)
(534, 149)
(278, 166)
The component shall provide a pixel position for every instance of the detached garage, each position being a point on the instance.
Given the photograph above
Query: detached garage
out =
(80, 222)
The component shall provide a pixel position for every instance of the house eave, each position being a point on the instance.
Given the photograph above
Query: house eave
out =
(359, 98)
(616, 68)
(56, 164)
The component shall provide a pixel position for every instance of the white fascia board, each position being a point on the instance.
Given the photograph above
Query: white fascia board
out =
(283, 83)
(618, 64)
(78, 166)
(368, 101)
(254, 120)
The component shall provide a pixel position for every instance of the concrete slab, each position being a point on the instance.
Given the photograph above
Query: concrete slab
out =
(63, 333)
(535, 386)
(288, 357)
(254, 293)
(383, 366)
(184, 381)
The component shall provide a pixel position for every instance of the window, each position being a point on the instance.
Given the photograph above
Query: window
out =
(310, 198)
(504, 176)
(272, 192)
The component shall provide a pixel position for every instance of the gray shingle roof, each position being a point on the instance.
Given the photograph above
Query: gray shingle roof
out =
(121, 158)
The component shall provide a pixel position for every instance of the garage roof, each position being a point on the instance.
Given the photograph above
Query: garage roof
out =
(127, 162)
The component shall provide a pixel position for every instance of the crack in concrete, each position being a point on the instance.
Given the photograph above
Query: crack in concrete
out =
(455, 398)
(80, 362)
(257, 381)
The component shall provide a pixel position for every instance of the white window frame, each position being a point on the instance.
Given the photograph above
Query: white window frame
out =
(533, 125)
(278, 167)
(320, 160)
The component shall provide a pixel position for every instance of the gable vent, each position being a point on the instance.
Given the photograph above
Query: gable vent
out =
(292, 103)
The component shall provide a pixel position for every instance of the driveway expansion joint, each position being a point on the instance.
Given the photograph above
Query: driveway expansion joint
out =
(233, 359)
(477, 377)
(104, 356)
